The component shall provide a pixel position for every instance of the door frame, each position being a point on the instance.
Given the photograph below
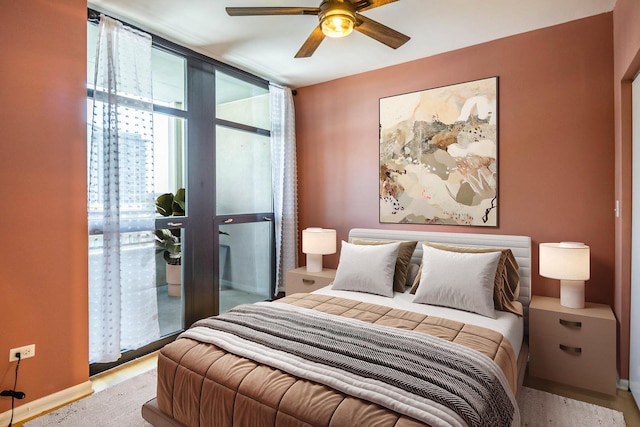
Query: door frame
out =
(634, 322)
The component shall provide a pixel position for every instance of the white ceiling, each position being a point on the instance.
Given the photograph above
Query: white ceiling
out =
(266, 45)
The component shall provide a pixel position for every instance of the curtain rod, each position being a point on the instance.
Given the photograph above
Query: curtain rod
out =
(93, 16)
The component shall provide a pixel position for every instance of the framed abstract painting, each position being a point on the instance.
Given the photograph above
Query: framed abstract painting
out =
(439, 155)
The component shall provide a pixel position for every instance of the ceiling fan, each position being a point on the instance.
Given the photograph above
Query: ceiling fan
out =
(337, 19)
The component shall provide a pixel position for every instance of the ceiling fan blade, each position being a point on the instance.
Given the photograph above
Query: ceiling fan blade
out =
(380, 32)
(311, 44)
(255, 11)
(370, 4)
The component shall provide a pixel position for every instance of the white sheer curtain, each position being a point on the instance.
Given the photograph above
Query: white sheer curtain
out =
(285, 180)
(123, 313)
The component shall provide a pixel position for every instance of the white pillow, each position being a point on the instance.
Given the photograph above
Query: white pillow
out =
(458, 280)
(367, 268)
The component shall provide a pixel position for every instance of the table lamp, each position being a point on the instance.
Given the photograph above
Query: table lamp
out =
(315, 243)
(569, 263)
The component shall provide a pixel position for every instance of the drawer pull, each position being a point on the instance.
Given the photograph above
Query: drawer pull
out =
(308, 281)
(570, 323)
(570, 349)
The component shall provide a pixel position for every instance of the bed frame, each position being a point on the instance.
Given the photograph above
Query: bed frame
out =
(519, 245)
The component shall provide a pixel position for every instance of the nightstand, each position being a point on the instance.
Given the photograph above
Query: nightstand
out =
(300, 280)
(573, 346)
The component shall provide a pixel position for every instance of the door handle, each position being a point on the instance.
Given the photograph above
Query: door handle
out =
(570, 349)
(570, 323)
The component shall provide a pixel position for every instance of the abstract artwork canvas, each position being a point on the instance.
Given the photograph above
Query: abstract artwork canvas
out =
(439, 155)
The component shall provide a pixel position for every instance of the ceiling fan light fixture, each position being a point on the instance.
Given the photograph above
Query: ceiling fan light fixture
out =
(337, 23)
(337, 18)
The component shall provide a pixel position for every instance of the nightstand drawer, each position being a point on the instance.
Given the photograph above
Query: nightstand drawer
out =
(585, 364)
(570, 329)
(299, 280)
(573, 346)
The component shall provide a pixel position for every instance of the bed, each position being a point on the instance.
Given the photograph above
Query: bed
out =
(344, 356)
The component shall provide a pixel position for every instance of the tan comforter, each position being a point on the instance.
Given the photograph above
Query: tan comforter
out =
(202, 385)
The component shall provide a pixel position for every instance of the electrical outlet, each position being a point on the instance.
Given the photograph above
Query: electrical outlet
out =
(25, 352)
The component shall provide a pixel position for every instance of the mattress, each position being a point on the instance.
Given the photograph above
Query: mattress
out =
(202, 384)
(507, 324)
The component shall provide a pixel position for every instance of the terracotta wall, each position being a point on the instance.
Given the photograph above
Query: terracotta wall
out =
(43, 289)
(556, 151)
(626, 38)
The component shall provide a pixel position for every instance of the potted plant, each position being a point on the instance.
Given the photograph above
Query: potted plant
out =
(168, 204)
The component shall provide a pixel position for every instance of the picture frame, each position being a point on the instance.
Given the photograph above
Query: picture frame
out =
(439, 155)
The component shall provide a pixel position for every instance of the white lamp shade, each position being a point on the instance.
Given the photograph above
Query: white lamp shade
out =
(318, 241)
(565, 261)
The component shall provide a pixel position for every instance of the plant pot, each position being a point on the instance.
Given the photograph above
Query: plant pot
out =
(174, 280)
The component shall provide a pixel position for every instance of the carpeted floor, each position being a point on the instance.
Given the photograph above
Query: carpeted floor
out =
(120, 406)
(539, 408)
(116, 406)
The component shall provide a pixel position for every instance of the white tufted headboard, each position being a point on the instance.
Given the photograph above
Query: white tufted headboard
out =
(519, 245)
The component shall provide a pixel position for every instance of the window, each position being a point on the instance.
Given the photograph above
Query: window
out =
(211, 138)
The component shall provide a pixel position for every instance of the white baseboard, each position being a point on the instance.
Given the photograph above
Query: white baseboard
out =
(622, 384)
(47, 403)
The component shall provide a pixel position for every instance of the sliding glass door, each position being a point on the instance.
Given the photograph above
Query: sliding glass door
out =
(214, 234)
(244, 196)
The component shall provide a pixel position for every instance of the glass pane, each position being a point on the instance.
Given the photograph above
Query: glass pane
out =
(168, 70)
(169, 281)
(164, 296)
(92, 41)
(242, 102)
(169, 142)
(245, 263)
(138, 305)
(137, 190)
(168, 79)
(243, 172)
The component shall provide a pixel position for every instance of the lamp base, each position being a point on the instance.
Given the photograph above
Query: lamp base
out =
(572, 293)
(314, 263)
